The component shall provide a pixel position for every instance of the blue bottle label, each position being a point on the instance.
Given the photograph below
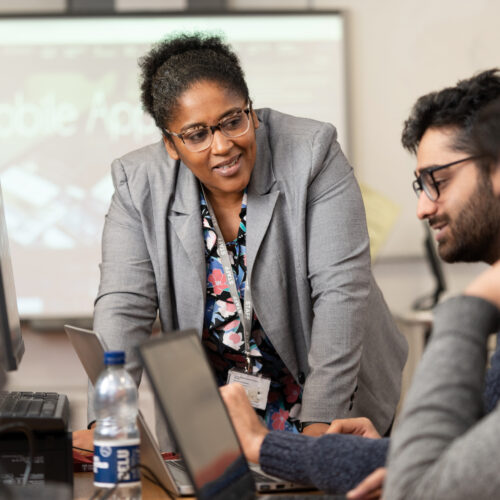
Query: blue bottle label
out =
(116, 462)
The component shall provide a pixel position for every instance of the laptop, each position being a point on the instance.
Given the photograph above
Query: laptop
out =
(90, 347)
(203, 433)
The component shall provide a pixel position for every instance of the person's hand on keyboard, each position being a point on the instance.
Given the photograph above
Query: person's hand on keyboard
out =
(251, 432)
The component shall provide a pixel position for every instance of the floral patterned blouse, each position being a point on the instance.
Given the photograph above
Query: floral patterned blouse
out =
(223, 332)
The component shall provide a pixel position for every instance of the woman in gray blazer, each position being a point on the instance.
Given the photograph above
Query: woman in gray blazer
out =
(249, 226)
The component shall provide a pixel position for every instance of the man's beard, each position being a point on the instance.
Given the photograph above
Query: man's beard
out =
(475, 232)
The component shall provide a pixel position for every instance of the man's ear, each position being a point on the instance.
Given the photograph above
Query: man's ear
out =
(495, 179)
(255, 120)
(170, 147)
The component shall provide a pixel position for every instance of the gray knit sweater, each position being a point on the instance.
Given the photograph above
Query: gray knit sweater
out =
(332, 462)
(337, 462)
(444, 448)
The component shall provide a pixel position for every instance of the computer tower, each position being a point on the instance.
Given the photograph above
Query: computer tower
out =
(52, 458)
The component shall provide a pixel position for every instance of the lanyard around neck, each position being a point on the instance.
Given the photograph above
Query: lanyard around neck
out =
(245, 312)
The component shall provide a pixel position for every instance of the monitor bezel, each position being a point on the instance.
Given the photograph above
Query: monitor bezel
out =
(10, 325)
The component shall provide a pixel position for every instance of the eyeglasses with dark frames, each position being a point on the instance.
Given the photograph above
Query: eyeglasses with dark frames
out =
(200, 138)
(428, 184)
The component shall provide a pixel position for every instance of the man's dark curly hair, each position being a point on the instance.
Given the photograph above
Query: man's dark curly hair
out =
(485, 133)
(452, 107)
(175, 64)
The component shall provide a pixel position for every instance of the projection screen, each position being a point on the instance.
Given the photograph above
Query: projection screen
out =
(69, 105)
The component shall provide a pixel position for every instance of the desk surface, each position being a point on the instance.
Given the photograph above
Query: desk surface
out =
(83, 489)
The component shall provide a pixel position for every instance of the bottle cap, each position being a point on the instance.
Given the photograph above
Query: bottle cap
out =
(114, 358)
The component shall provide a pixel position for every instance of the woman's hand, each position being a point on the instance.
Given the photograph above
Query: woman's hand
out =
(360, 426)
(370, 488)
(249, 428)
(83, 441)
(487, 285)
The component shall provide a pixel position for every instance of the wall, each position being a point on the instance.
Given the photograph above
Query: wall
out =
(397, 51)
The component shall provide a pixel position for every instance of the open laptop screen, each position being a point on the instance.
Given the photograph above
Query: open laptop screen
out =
(189, 398)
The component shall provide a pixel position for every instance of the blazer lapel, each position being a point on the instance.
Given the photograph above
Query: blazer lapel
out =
(184, 216)
(260, 199)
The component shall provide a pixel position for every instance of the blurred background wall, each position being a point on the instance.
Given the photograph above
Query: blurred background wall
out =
(395, 52)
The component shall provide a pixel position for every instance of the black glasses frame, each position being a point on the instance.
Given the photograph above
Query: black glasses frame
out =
(213, 128)
(419, 185)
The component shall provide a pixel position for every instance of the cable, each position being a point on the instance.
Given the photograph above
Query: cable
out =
(31, 445)
(110, 491)
(120, 477)
(94, 495)
(82, 449)
(155, 480)
(150, 477)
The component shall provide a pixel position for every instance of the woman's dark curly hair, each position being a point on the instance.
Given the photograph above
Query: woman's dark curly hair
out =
(173, 65)
(452, 107)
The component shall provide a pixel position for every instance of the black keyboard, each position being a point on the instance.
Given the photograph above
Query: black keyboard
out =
(40, 411)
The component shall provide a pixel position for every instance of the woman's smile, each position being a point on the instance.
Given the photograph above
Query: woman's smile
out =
(228, 168)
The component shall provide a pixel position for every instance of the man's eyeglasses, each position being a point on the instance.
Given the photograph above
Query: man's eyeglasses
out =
(428, 184)
(200, 138)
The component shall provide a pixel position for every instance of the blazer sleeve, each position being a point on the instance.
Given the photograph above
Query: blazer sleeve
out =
(338, 260)
(126, 304)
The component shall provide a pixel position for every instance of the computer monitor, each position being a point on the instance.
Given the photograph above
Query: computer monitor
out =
(11, 341)
(430, 300)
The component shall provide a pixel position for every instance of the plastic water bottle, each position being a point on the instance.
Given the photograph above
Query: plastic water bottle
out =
(116, 436)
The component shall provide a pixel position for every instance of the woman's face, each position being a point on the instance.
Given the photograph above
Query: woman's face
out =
(225, 167)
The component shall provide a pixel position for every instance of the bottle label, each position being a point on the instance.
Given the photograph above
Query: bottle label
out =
(116, 462)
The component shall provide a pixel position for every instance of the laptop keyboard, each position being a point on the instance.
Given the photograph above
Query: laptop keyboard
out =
(178, 464)
(259, 477)
(41, 411)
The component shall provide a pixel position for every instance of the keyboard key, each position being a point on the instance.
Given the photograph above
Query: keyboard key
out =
(35, 407)
(8, 405)
(21, 407)
(41, 411)
(49, 407)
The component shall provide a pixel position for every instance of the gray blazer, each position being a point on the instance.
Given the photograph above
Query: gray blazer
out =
(308, 259)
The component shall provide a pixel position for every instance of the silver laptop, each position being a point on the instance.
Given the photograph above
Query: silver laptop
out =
(90, 348)
(189, 398)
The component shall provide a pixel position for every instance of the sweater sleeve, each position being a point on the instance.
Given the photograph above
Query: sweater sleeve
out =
(334, 463)
(443, 447)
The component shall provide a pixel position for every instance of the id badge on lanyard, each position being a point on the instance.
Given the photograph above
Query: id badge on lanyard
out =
(256, 387)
